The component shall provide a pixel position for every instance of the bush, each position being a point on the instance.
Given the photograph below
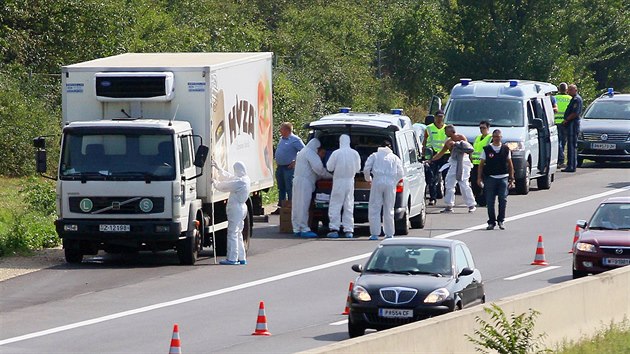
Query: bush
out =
(507, 336)
(28, 231)
(40, 195)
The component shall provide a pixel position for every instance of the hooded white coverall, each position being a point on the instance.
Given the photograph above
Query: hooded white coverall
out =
(387, 170)
(344, 163)
(459, 172)
(238, 184)
(308, 166)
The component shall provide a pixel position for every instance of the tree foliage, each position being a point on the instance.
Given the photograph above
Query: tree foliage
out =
(369, 55)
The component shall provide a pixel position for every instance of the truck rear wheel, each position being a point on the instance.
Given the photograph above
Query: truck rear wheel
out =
(188, 248)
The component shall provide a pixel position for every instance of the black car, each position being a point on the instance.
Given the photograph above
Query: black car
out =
(410, 279)
(605, 129)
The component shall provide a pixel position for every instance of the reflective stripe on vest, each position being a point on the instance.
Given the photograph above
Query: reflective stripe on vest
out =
(478, 146)
(436, 137)
(563, 102)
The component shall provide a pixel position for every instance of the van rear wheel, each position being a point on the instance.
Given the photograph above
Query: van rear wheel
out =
(418, 221)
(402, 225)
(544, 182)
(522, 184)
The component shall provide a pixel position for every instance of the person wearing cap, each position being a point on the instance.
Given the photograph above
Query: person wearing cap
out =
(434, 139)
(480, 141)
(562, 102)
(572, 123)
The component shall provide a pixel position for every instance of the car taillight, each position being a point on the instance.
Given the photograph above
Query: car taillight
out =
(399, 186)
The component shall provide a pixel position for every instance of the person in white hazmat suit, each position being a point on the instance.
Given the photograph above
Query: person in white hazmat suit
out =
(459, 166)
(344, 163)
(308, 167)
(238, 185)
(386, 169)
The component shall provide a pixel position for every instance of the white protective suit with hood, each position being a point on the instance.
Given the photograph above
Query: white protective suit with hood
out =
(344, 163)
(238, 185)
(459, 173)
(387, 170)
(308, 167)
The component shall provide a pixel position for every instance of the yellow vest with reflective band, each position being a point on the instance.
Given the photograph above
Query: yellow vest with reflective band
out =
(478, 146)
(436, 137)
(563, 102)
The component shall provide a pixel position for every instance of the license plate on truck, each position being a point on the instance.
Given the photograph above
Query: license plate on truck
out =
(114, 228)
(395, 313)
(617, 261)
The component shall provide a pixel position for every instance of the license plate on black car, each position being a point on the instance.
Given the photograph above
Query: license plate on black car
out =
(395, 313)
(603, 146)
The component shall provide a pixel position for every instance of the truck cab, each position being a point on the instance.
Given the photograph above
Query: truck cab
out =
(367, 131)
(522, 110)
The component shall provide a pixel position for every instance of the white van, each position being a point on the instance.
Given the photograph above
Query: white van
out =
(367, 131)
(523, 111)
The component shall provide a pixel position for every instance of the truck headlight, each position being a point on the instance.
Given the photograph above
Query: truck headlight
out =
(585, 247)
(360, 293)
(436, 296)
(515, 145)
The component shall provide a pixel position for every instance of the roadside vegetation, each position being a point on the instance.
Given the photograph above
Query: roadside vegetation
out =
(613, 340)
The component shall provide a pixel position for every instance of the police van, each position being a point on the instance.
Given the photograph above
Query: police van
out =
(523, 111)
(367, 131)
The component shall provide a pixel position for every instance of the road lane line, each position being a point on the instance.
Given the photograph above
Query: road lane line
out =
(536, 212)
(523, 275)
(278, 277)
(339, 323)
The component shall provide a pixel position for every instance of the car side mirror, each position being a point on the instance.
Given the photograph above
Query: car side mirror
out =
(582, 224)
(537, 123)
(357, 268)
(201, 155)
(466, 271)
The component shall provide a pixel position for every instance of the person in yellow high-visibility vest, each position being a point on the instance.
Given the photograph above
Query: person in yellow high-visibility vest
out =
(562, 102)
(480, 141)
(434, 139)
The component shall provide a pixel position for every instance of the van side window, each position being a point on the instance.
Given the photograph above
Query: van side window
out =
(530, 113)
(548, 111)
(414, 152)
(404, 149)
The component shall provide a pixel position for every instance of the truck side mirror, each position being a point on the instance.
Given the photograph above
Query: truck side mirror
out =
(201, 155)
(40, 161)
(39, 142)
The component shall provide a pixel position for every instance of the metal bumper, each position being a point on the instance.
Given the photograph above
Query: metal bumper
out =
(140, 230)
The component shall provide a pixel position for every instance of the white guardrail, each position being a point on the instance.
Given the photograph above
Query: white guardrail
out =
(569, 311)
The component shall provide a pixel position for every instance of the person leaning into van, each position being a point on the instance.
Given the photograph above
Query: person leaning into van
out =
(434, 139)
(572, 123)
(497, 170)
(480, 141)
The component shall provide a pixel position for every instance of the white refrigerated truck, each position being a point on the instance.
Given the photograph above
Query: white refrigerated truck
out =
(137, 129)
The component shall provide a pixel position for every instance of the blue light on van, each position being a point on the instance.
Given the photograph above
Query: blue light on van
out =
(344, 110)
(513, 83)
(465, 82)
(398, 111)
(611, 92)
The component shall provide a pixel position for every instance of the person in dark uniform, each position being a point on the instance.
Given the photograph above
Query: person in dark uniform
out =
(572, 124)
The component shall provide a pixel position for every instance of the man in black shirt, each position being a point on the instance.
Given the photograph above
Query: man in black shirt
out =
(497, 171)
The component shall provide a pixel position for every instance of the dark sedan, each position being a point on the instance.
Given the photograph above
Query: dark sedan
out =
(605, 129)
(410, 279)
(605, 240)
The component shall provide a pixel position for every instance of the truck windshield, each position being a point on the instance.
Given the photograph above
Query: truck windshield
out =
(117, 156)
(499, 112)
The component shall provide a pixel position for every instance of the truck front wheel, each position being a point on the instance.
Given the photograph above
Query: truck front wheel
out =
(72, 251)
(188, 248)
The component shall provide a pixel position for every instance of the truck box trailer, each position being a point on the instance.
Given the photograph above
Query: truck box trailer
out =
(132, 174)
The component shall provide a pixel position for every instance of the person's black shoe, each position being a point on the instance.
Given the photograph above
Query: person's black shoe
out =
(490, 227)
(501, 226)
(567, 170)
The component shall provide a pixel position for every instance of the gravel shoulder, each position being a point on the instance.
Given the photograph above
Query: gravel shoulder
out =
(14, 266)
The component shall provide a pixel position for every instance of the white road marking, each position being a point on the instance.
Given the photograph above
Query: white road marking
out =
(339, 323)
(278, 277)
(523, 275)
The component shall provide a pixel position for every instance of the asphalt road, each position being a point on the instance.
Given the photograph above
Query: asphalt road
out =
(124, 304)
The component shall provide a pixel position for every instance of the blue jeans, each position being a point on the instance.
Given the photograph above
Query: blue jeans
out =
(434, 178)
(573, 128)
(496, 188)
(284, 177)
(562, 141)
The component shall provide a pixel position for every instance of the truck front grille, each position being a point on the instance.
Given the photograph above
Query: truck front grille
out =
(115, 205)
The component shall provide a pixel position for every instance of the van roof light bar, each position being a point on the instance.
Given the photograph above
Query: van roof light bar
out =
(398, 111)
(465, 81)
(611, 92)
(345, 110)
(513, 83)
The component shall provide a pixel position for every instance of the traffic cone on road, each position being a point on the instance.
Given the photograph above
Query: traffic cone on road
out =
(540, 253)
(576, 237)
(346, 311)
(261, 322)
(175, 343)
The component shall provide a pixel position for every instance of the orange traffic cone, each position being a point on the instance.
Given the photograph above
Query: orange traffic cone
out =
(540, 253)
(576, 237)
(175, 343)
(261, 322)
(346, 311)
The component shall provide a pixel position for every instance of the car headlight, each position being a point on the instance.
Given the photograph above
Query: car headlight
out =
(436, 296)
(515, 145)
(585, 247)
(360, 293)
